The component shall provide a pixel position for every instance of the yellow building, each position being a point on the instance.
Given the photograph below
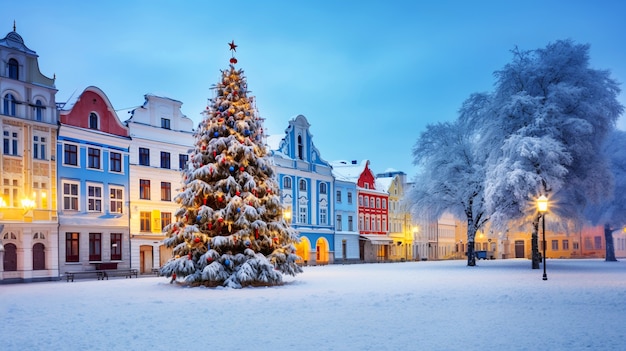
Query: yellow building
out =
(28, 207)
(400, 227)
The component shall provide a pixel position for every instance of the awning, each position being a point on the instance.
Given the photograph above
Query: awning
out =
(376, 239)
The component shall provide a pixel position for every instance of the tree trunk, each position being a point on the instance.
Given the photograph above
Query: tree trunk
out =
(471, 259)
(610, 246)
(534, 242)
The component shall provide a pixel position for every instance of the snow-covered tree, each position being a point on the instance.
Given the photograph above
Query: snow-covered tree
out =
(450, 179)
(611, 211)
(230, 229)
(547, 119)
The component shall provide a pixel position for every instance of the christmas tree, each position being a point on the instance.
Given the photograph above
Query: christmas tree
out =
(230, 229)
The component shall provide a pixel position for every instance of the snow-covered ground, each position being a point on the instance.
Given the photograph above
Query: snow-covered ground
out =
(445, 305)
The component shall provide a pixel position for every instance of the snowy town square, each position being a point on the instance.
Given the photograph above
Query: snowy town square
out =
(433, 305)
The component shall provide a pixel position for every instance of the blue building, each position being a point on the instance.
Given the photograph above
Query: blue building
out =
(92, 153)
(307, 187)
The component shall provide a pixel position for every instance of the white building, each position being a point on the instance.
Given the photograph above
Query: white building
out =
(161, 139)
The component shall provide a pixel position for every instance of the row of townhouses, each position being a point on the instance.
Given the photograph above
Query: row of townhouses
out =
(82, 190)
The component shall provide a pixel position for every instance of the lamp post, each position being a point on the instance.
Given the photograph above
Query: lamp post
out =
(542, 207)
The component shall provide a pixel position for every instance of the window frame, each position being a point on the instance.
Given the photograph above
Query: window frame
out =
(72, 247)
(95, 247)
(165, 160)
(115, 162)
(70, 155)
(94, 121)
(73, 198)
(94, 201)
(116, 196)
(144, 189)
(11, 141)
(182, 161)
(166, 191)
(94, 158)
(145, 220)
(144, 156)
(9, 103)
(116, 246)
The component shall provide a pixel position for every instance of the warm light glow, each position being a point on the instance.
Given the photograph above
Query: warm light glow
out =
(28, 203)
(287, 214)
(2, 203)
(416, 229)
(542, 204)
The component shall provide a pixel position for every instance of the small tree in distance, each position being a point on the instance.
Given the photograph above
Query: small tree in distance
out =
(230, 229)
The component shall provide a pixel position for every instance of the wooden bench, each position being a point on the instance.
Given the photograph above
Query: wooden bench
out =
(156, 271)
(126, 273)
(69, 276)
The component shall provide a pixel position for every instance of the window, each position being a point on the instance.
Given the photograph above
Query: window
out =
(116, 246)
(10, 142)
(70, 154)
(384, 227)
(575, 245)
(379, 227)
(323, 216)
(94, 198)
(165, 123)
(115, 162)
(144, 156)
(93, 121)
(338, 196)
(302, 185)
(95, 247)
(165, 159)
(361, 222)
(367, 201)
(9, 105)
(349, 197)
(14, 69)
(302, 215)
(10, 191)
(350, 225)
(338, 223)
(287, 183)
(39, 147)
(360, 200)
(377, 203)
(71, 247)
(144, 221)
(144, 189)
(117, 199)
(70, 196)
(555, 245)
(39, 110)
(322, 188)
(166, 191)
(597, 242)
(367, 222)
(39, 257)
(372, 201)
(565, 244)
(166, 219)
(93, 158)
(384, 203)
(182, 161)
(300, 147)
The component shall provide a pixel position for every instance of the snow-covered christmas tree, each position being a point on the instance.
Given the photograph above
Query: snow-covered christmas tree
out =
(230, 229)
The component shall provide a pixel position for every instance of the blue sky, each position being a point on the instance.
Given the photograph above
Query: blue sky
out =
(368, 75)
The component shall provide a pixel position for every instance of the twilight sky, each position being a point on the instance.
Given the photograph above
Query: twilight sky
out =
(368, 75)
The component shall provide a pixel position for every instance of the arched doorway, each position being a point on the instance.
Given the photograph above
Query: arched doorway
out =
(39, 257)
(10, 257)
(321, 251)
(303, 249)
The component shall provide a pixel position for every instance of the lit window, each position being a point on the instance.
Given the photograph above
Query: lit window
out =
(117, 199)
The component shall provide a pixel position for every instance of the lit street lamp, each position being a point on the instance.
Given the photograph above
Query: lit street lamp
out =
(542, 207)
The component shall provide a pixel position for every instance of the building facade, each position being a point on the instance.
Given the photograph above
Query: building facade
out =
(28, 207)
(92, 157)
(161, 139)
(372, 209)
(346, 216)
(400, 228)
(307, 186)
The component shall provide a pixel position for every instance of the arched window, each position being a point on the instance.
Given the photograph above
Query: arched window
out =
(39, 110)
(10, 257)
(9, 105)
(322, 188)
(93, 121)
(39, 236)
(39, 257)
(302, 185)
(14, 69)
(287, 183)
(300, 147)
(10, 235)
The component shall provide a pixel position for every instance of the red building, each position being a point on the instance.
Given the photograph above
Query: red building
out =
(372, 208)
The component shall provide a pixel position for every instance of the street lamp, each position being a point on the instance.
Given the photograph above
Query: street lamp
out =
(542, 207)
(287, 214)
